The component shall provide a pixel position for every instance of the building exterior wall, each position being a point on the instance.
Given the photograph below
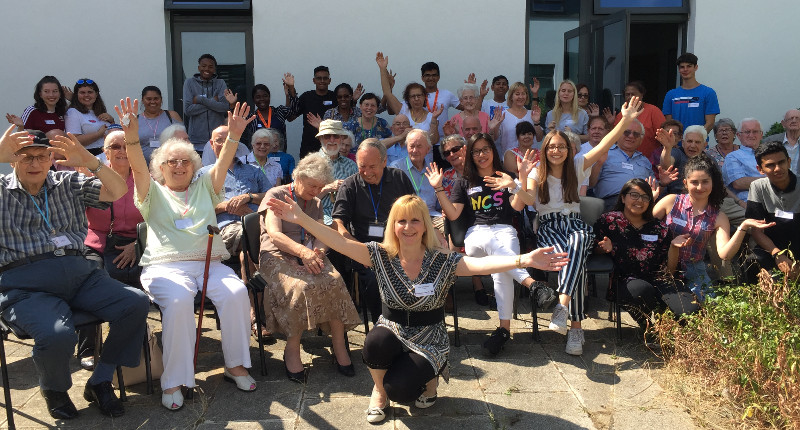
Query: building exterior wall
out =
(546, 43)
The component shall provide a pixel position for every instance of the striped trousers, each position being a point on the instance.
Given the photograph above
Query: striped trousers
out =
(568, 233)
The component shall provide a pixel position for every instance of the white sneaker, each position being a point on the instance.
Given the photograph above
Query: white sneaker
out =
(575, 341)
(558, 322)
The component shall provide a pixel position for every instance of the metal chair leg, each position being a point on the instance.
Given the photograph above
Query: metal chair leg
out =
(147, 369)
(6, 387)
(535, 316)
(259, 336)
(123, 397)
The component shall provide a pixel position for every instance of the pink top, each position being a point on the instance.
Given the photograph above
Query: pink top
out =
(483, 117)
(126, 216)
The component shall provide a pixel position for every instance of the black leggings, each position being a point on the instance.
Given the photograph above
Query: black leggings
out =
(647, 297)
(407, 372)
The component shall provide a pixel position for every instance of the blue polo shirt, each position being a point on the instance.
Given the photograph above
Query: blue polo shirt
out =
(242, 178)
(619, 169)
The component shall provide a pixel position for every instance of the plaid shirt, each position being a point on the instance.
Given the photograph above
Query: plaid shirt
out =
(343, 168)
(700, 228)
(22, 226)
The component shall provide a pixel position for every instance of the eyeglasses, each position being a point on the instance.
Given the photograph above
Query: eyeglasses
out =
(723, 130)
(637, 196)
(629, 133)
(262, 144)
(115, 147)
(482, 151)
(557, 148)
(749, 132)
(177, 162)
(29, 159)
(84, 81)
(583, 96)
(401, 124)
(453, 150)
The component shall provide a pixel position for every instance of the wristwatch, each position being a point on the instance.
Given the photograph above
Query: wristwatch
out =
(99, 166)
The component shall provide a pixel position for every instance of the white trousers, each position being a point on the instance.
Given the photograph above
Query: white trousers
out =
(173, 286)
(498, 239)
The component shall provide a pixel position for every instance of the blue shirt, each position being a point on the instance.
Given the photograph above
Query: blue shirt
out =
(421, 185)
(619, 169)
(241, 179)
(740, 164)
(690, 107)
(285, 160)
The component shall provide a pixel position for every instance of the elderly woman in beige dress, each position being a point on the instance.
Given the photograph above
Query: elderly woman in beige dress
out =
(304, 291)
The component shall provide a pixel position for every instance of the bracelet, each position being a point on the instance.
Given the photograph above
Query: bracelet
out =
(438, 189)
(99, 166)
(135, 142)
(519, 261)
(742, 229)
(251, 197)
(228, 139)
(537, 124)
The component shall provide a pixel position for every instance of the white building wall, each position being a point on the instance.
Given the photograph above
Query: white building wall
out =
(747, 52)
(471, 36)
(546, 45)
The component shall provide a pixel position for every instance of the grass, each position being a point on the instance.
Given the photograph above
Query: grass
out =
(741, 353)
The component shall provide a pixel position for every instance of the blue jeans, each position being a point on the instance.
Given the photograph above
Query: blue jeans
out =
(697, 280)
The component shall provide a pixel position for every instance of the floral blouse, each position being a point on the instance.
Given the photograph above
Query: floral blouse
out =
(637, 253)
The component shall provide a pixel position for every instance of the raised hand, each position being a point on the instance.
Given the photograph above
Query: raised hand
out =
(609, 115)
(605, 245)
(470, 79)
(536, 113)
(438, 111)
(288, 79)
(666, 137)
(632, 108)
(287, 209)
(654, 186)
(11, 143)
(593, 109)
(525, 165)
(484, 88)
(67, 92)
(230, 96)
(449, 127)
(535, 87)
(126, 111)
(313, 119)
(73, 153)
(358, 92)
(498, 183)
(383, 62)
(545, 259)
(666, 176)
(237, 120)
(434, 175)
(13, 119)
(392, 77)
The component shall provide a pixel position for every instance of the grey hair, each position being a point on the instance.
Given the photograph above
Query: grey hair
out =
(170, 131)
(456, 137)
(273, 136)
(641, 126)
(111, 136)
(467, 87)
(314, 166)
(698, 129)
(574, 140)
(349, 134)
(373, 143)
(725, 121)
(741, 123)
(159, 157)
(424, 134)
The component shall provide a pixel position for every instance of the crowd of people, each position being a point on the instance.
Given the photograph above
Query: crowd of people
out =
(375, 200)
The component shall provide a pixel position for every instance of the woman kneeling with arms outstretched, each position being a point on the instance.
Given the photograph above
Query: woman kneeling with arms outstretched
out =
(409, 347)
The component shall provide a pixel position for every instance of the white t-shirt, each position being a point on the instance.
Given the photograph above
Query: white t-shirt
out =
(490, 105)
(556, 203)
(424, 125)
(508, 131)
(447, 100)
(84, 123)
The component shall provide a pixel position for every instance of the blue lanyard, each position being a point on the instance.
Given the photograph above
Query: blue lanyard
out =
(46, 208)
(411, 175)
(374, 206)
(302, 230)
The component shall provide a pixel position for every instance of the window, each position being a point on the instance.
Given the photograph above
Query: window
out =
(545, 74)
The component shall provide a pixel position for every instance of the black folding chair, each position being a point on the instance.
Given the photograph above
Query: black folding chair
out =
(456, 231)
(600, 264)
(251, 247)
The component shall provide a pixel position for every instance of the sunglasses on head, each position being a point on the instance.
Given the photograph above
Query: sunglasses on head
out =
(84, 81)
(452, 150)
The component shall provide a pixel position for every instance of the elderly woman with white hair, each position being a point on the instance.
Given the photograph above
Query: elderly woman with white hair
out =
(304, 291)
(177, 209)
(264, 141)
(469, 96)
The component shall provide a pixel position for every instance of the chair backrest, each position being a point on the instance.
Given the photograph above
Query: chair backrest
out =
(251, 236)
(141, 239)
(457, 230)
(591, 209)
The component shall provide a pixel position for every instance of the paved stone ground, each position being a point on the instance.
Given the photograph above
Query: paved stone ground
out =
(528, 385)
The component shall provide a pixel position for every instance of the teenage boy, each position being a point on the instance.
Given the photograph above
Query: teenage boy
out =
(316, 102)
(204, 103)
(499, 88)
(691, 103)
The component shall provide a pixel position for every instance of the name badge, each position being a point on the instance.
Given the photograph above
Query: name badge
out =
(275, 159)
(49, 122)
(327, 102)
(693, 105)
(680, 222)
(785, 215)
(627, 166)
(423, 290)
(649, 237)
(474, 190)
(375, 230)
(60, 240)
(155, 143)
(183, 223)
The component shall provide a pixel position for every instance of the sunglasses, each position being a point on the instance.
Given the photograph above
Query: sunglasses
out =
(583, 96)
(452, 150)
(84, 81)
(635, 134)
(115, 147)
(177, 162)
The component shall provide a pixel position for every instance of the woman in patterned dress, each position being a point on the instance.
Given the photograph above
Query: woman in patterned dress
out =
(409, 347)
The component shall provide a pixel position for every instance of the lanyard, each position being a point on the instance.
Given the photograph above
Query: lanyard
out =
(435, 99)
(47, 210)
(411, 175)
(267, 123)
(302, 230)
(185, 200)
(374, 206)
(155, 129)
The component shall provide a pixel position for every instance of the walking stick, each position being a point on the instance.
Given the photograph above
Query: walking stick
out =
(212, 230)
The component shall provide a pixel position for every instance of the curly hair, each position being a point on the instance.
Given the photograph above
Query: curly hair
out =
(159, 157)
(704, 163)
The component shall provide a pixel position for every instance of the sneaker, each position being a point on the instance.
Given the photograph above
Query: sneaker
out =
(481, 298)
(558, 322)
(545, 296)
(575, 341)
(496, 340)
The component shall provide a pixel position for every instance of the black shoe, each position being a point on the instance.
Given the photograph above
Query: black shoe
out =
(348, 370)
(299, 377)
(481, 297)
(545, 296)
(107, 401)
(59, 405)
(496, 340)
(492, 303)
(87, 363)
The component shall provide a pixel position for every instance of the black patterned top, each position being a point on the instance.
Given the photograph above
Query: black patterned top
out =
(396, 288)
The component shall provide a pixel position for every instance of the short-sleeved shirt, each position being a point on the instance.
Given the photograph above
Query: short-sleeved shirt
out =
(419, 181)
(577, 126)
(76, 122)
(274, 118)
(690, 107)
(358, 203)
(767, 202)
(312, 208)
(380, 129)
(64, 195)
(343, 168)
(681, 220)
(555, 189)
(286, 161)
(740, 164)
(637, 253)
(482, 205)
(618, 169)
(311, 102)
(714, 153)
(446, 99)
(508, 131)
(396, 291)
(241, 179)
(34, 119)
(271, 168)
(652, 118)
(177, 220)
(491, 106)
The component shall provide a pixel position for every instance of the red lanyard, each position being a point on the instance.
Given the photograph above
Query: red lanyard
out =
(435, 100)
(266, 123)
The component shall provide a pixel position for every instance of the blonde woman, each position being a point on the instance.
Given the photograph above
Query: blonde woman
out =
(567, 115)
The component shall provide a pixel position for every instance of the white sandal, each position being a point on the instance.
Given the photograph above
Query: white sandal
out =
(244, 383)
(172, 401)
(376, 414)
(425, 402)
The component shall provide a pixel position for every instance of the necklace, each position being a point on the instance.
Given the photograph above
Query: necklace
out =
(414, 118)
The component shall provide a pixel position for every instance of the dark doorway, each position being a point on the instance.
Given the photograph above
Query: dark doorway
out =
(653, 48)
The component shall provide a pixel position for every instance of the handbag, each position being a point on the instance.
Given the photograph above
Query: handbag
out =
(113, 240)
(138, 374)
